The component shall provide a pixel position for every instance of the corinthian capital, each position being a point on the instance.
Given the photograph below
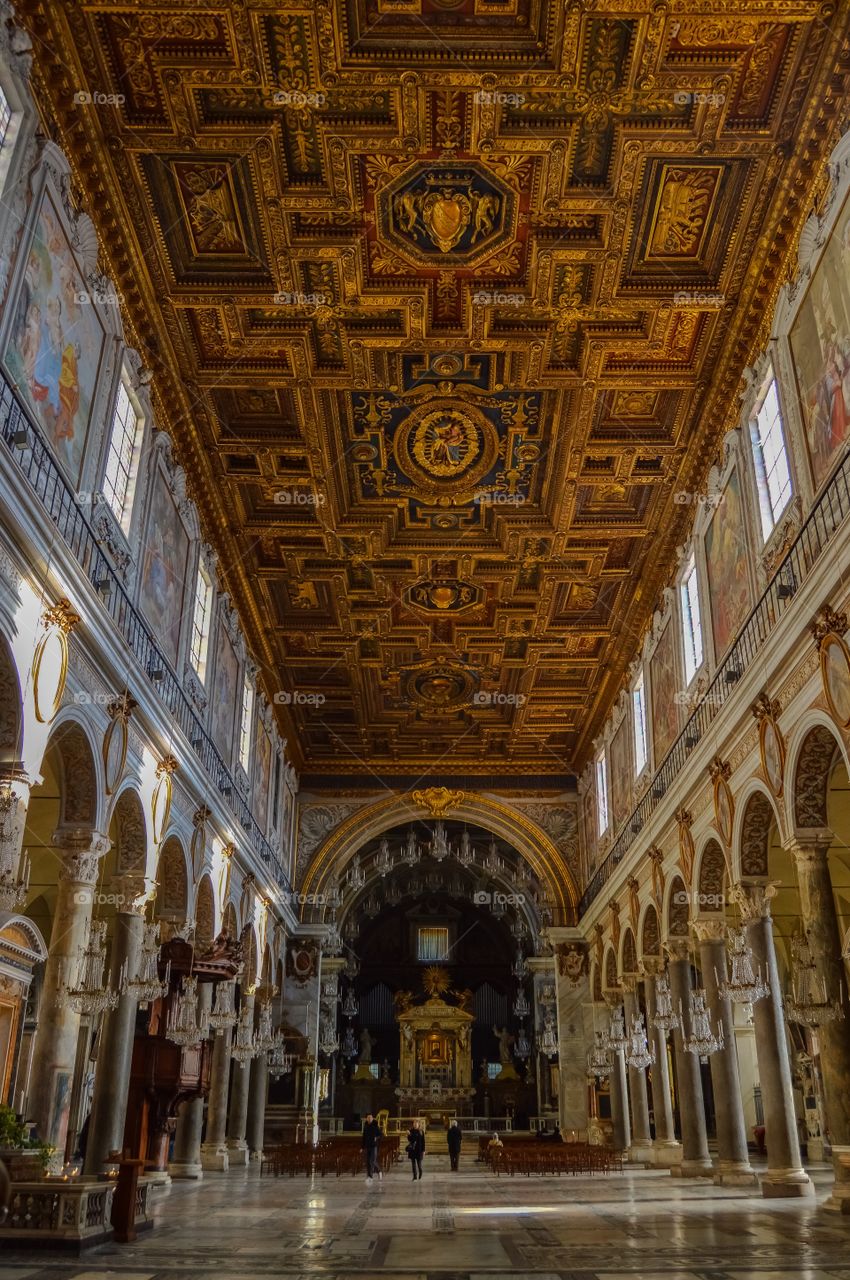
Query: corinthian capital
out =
(83, 850)
(754, 900)
(710, 930)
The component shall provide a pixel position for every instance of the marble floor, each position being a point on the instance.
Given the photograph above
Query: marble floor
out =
(641, 1225)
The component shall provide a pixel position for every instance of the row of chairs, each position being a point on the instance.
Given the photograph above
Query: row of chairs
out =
(338, 1156)
(552, 1157)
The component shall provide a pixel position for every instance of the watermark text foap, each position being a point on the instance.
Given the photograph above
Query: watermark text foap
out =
(299, 99)
(686, 499)
(497, 699)
(286, 298)
(82, 98)
(498, 498)
(298, 498)
(493, 298)
(497, 98)
(82, 698)
(496, 898)
(308, 899)
(703, 901)
(699, 97)
(298, 698)
(94, 898)
(687, 298)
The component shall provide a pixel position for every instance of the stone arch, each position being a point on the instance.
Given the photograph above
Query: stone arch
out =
(249, 976)
(128, 832)
(172, 895)
(813, 758)
(628, 953)
(754, 821)
(371, 821)
(77, 767)
(650, 932)
(596, 984)
(11, 708)
(677, 913)
(612, 978)
(204, 915)
(711, 878)
(229, 923)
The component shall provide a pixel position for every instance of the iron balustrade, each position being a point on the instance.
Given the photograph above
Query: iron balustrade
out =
(828, 513)
(38, 466)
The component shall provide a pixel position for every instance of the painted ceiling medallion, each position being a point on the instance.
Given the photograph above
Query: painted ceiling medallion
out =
(443, 595)
(438, 688)
(446, 445)
(452, 211)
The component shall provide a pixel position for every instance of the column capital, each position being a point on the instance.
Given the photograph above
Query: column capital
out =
(132, 892)
(651, 966)
(678, 948)
(754, 899)
(630, 981)
(84, 850)
(810, 848)
(710, 930)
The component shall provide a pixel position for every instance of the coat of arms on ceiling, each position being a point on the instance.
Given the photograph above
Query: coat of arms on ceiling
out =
(443, 595)
(451, 212)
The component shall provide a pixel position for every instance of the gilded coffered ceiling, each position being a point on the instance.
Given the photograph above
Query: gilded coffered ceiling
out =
(445, 299)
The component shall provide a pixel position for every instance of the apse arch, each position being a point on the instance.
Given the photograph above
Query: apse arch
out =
(811, 760)
(127, 819)
(711, 876)
(372, 821)
(677, 909)
(649, 932)
(628, 952)
(756, 813)
(205, 929)
(612, 978)
(79, 771)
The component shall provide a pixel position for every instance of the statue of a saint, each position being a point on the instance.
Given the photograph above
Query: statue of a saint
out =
(505, 1040)
(366, 1043)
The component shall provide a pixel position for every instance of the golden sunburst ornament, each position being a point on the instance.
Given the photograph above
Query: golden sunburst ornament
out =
(436, 980)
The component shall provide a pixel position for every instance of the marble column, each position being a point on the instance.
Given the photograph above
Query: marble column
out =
(237, 1116)
(696, 1162)
(785, 1173)
(640, 1150)
(214, 1152)
(186, 1158)
(618, 1086)
(55, 1044)
(15, 789)
(733, 1163)
(820, 921)
(666, 1149)
(257, 1094)
(115, 1050)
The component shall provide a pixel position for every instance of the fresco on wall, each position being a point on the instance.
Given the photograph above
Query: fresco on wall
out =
(263, 778)
(224, 703)
(56, 341)
(726, 560)
(164, 568)
(665, 686)
(820, 344)
(620, 773)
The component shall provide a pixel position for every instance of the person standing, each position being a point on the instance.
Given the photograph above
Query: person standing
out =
(370, 1142)
(454, 1139)
(416, 1148)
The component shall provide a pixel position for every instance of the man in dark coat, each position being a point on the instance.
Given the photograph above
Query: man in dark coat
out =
(454, 1139)
(416, 1149)
(370, 1142)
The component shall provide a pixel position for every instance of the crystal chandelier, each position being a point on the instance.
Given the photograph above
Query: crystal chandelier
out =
(384, 859)
(702, 1039)
(182, 1023)
(333, 944)
(549, 1037)
(520, 966)
(809, 1003)
(521, 1006)
(146, 985)
(356, 877)
(599, 1059)
(13, 889)
(522, 1048)
(349, 1004)
(265, 1039)
(349, 1043)
(90, 993)
(280, 1062)
(439, 848)
(223, 1015)
(664, 1019)
(616, 1039)
(411, 849)
(466, 856)
(328, 1039)
(638, 1053)
(244, 1046)
(493, 863)
(743, 987)
(352, 966)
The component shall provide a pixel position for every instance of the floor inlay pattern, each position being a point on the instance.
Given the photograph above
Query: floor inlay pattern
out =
(466, 1226)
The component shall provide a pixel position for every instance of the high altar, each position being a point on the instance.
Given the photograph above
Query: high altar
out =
(435, 1049)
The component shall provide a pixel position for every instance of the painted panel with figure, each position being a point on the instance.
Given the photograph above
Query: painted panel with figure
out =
(726, 558)
(665, 687)
(56, 341)
(164, 568)
(621, 773)
(820, 344)
(263, 778)
(224, 703)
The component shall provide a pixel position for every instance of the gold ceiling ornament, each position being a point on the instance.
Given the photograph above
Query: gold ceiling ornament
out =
(659, 878)
(439, 801)
(116, 739)
(687, 852)
(161, 798)
(436, 980)
(50, 660)
(827, 622)
(227, 854)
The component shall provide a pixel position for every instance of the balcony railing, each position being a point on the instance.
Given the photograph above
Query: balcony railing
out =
(828, 513)
(38, 466)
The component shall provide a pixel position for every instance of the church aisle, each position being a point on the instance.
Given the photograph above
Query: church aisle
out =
(467, 1226)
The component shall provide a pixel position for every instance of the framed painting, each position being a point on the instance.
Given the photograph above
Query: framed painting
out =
(55, 344)
(620, 773)
(224, 703)
(772, 752)
(820, 347)
(835, 674)
(263, 775)
(665, 687)
(164, 562)
(724, 809)
(726, 558)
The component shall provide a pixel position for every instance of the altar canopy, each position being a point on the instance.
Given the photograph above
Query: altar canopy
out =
(435, 1042)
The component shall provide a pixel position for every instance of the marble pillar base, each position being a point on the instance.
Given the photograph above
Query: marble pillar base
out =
(160, 1184)
(786, 1184)
(839, 1198)
(693, 1169)
(215, 1157)
(734, 1173)
(186, 1169)
(257, 1156)
(666, 1154)
(237, 1151)
(640, 1152)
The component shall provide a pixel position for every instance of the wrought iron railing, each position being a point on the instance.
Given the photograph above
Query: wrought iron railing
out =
(828, 513)
(38, 466)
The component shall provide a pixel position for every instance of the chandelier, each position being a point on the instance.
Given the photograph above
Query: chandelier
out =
(466, 856)
(146, 985)
(809, 1003)
(439, 848)
(411, 852)
(521, 1006)
(384, 859)
(356, 877)
(349, 1043)
(549, 1037)
(328, 1039)
(665, 1019)
(522, 1048)
(333, 943)
(744, 986)
(265, 1039)
(520, 966)
(702, 1040)
(91, 994)
(280, 1062)
(638, 1054)
(616, 1039)
(349, 1004)
(182, 1023)
(493, 863)
(244, 1047)
(13, 889)
(223, 1015)
(599, 1059)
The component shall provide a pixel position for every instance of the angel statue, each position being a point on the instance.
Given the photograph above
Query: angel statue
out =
(505, 1040)
(366, 1044)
